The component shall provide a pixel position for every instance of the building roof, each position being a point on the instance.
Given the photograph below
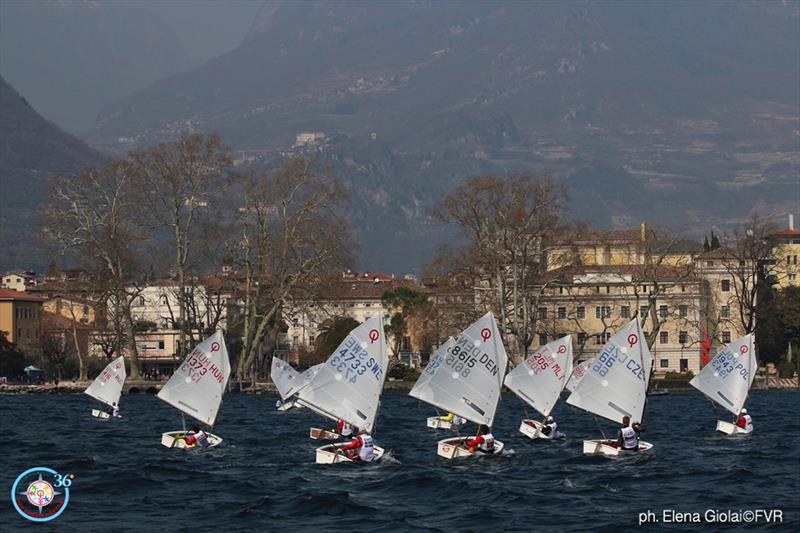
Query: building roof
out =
(601, 236)
(787, 233)
(8, 294)
(637, 273)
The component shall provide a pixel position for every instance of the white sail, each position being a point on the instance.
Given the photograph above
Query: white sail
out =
(107, 387)
(616, 384)
(578, 372)
(196, 388)
(541, 378)
(469, 380)
(726, 379)
(289, 381)
(436, 360)
(350, 382)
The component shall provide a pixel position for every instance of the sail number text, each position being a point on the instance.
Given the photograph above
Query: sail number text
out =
(353, 361)
(540, 362)
(465, 355)
(197, 365)
(612, 355)
(725, 364)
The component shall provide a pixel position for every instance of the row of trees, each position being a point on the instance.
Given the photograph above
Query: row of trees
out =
(180, 209)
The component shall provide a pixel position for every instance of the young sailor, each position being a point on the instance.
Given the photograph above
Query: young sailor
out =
(549, 427)
(343, 428)
(745, 421)
(113, 410)
(453, 419)
(628, 436)
(484, 441)
(361, 448)
(198, 438)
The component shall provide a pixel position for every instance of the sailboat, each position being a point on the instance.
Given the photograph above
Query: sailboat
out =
(107, 387)
(727, 378)
(540, 380)
(441, 352)
(578, 372)
(616, 385)
(196, 388)
(349, 385)
(467, 382)
(288, 381)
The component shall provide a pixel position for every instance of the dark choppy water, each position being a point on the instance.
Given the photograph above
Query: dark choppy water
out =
(263, 477)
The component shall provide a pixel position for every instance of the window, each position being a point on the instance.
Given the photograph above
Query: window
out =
(683, 311)
(543, 314)
(726, 337)
(683, 337)
(542, 339)
(643, 311)
(725, 311)
(141, 300)
(581, 312)
(644, 288)
(792, 277)
(683, 288)
(663, 311)
(602, 338)
(726, 285)
(295, 340)
(625, 311)
(663, 337)
(311, 340)
(562, 312)
(581, 338)
(160, 345)
(710, 263)
(602, 312)
(85, 309)
(295, 322)
(684, 365)
(608, 289)
(664, 363)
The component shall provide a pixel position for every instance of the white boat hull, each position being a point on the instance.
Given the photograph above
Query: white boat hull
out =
(533, 430)
(100, 414)
(731, 429)
(327, 455)
(322, 434)
(455, 448)
(174, 439)
(610, 449)
(291, 404)
(437, 423)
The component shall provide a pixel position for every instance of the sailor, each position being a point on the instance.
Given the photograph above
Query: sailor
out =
(278, 404)
(484, 441)
(549, 427)
(628, 436)
(362, 448)
(115, 410)
(197, 437)
(745, 421)
(453, 419)
(343, 428)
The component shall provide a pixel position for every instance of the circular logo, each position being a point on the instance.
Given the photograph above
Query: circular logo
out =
(744, 349)
(41, 494)
(632, 340)
(214, 346)
(373, 335)
(562, 349)
(486, 334)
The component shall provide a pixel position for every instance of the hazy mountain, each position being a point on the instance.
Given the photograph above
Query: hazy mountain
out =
(32, 151)
(71, 57)
(677, 111)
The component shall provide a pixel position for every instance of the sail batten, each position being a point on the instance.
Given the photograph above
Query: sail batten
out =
(197, 386)
(466, 377)
(540, 379)
(726, 379)
(616, 384)
(107, 387)
(349, 384)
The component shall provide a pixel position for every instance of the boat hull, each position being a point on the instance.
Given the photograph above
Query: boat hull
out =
(609, 448)
(97, 413)
(322, 434)
(533, 430)
(291, 404)
(455, 448)
(437, 423)
(174, 439)
(327, 455)
(731, 429)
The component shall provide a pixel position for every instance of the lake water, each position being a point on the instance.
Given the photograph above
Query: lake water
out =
(263, 476)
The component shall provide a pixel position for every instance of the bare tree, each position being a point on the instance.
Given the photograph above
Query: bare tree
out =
(179, 183)
(291, 236)
(506, 221)
(94, 215)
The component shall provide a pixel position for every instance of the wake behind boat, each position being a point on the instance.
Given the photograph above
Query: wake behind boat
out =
(196, 389)
(348, 387)
(615, 388)
(726, 381)
(468, 382)
(107, 388)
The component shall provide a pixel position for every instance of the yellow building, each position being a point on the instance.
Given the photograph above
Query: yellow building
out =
(785, 251)
(80, 311)
(20, 316)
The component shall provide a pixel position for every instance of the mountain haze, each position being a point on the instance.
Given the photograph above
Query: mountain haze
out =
(683, 112)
